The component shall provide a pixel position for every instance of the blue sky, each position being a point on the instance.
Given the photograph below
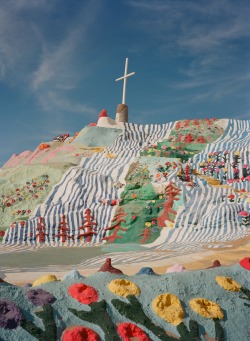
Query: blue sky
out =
(59, 60)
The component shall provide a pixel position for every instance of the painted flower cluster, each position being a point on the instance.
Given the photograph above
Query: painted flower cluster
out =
(19, 199)
(218, 165)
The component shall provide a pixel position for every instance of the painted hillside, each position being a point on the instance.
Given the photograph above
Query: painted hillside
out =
(169, 186)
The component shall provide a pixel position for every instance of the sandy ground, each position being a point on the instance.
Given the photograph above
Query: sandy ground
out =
(192, 261)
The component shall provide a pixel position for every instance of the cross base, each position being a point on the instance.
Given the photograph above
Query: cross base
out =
(121, 113)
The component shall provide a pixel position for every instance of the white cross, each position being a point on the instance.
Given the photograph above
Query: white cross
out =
(125, 80)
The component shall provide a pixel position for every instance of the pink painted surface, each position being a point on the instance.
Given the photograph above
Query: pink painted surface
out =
(37, 152)
(53, 153)
(16, 159)
(30, 157)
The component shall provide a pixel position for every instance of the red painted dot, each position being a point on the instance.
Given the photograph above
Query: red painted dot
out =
(80, 334)
(130, 330)
(245, 263)
(8, 204)
(83, 293)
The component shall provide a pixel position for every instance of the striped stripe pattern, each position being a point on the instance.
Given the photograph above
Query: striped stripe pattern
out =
(204, 217)
(85, 185)
(235, 138)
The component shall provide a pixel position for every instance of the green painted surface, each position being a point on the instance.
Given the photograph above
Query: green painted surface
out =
(17, 189)
(96, 136)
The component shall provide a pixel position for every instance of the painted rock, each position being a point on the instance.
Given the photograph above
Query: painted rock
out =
(169, 308)
(10, 315)
(206, 308)
(2, 276)
(130, 330)
(44, 279)
(176, 268)
(146, 271)
(227, 283)
(44, 146)
(83, 293)
(40, 297)
(216, 263)
(123, 287)
(245, 263)
(107, 267)
(73, 274)
(79, 334)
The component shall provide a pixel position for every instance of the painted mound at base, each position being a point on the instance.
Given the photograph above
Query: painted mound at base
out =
(209, 304)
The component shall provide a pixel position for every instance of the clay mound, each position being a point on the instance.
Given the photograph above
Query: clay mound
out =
(107, 267)
(216, 263)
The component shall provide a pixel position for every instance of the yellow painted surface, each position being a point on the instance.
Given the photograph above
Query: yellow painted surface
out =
(168, 307)
(227, 283)
(44, 279)
(123, 287)
(206, 308)
(110, 156)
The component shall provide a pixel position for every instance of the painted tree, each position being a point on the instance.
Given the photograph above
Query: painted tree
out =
(89, 225)
(145, 234)
(187, 172)
(117, 220)
(63, 228)
(41, 231)
(171, 191)
(201, 139)
(189, 138)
